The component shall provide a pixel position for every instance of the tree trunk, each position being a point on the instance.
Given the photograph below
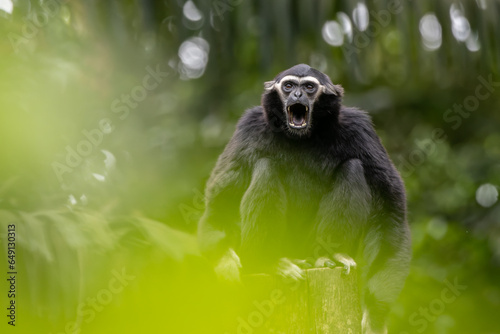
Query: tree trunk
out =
(325, 302)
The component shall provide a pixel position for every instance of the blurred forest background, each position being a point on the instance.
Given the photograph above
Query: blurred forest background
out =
(113, 113)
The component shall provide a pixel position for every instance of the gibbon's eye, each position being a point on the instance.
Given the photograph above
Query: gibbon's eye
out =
(310, 87)
(287, 86)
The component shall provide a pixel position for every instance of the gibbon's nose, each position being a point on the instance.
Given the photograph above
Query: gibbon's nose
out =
(297, 94)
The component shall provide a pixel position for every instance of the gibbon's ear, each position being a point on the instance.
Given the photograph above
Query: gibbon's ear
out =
(269, 85)
(332, 89)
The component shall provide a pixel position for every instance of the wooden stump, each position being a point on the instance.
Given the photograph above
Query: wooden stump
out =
(326, 302)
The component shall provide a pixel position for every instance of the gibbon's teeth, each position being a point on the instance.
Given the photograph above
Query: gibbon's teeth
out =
(297, 118)
(297, 126)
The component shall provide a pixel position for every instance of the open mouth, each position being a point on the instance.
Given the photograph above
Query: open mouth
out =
(297, 115)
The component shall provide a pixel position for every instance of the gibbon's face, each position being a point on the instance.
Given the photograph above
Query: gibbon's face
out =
(298, 94)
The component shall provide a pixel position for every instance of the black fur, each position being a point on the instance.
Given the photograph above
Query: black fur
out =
(274, 194)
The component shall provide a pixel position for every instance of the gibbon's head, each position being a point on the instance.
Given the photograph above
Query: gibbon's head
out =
(299, 97)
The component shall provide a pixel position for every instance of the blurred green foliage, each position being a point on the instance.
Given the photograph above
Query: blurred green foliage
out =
(100, 172)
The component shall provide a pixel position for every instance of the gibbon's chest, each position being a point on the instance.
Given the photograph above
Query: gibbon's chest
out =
(306, 167)
(306, 175)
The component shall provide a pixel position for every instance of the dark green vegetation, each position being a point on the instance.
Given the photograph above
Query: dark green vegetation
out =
(112, 114)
